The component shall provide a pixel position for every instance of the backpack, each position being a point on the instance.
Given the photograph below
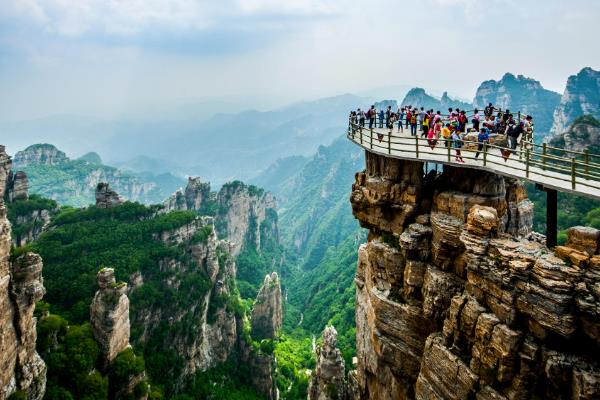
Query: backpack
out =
(462, 118)
(413, 120)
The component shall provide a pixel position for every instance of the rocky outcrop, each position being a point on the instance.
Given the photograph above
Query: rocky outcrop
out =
(417, 97)
(195, 195)
(453, 300)
(18, 186)
(583, 134)
(106, 197)
(243, 210)
(267, 313)
(328, 381)
(267, 317)
(109, 315)
(21, 286)
(211, 333)
(39, 154)
(581, 97)
(519, 93)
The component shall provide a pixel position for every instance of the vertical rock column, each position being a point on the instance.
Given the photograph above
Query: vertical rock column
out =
(328, 381)
(267, 317)
(109, 314)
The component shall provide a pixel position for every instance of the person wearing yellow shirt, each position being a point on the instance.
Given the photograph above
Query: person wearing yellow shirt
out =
(446, 134)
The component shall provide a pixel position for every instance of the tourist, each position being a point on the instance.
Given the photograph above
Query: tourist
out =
(447, 134)
(489, 110)
(475, 120)
(431, 138)
(462, 121)
(400, 118)
(425, 125)
(361, 117)
(483, 138)
(371, 115)
(457, 143)
(381, 118)
(413, 124)
(408, 115)
(388, 116)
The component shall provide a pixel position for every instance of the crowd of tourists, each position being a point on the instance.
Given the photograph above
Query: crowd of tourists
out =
(451, 128)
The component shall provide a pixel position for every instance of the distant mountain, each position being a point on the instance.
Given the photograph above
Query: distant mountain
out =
(581, 96)
(519, 93)
(417, 97)
(73, 182)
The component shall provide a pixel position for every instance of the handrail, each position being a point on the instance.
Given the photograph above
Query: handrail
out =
(560, 172)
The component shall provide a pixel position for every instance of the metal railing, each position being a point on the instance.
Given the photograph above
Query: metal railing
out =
(565, 170)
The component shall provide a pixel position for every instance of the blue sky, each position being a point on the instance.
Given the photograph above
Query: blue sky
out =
(106, 57)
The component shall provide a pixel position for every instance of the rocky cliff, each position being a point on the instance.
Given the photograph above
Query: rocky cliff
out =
(243, 209)
(584, 133)
(455, 299)
(267, 317)
(109, 315)
(106, 197)
(417, 97)
(39, 154)
(519, 93)
(193, 197)
(73, 182)
(328, 381)
(21, 285)
(581, 97)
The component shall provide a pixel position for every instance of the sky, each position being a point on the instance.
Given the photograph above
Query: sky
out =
(105, 58)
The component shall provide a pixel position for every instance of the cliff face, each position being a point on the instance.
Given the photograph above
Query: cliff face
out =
(21, 285)
(519, 93)
(106, 197)
(417, 97)
(244, 208)
(39, 154)
(583, 134)
(195, 195)
(581, 97)
(109, 315)
(205, 333)
(328, 381)
(455, 299)
(267, 317)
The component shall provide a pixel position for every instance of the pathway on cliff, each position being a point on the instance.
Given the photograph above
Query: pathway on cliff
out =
(553, 170)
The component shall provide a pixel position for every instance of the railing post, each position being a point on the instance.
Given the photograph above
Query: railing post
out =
(573, 173)
(360, 133)
(527, 163)
(485, 146)
(390, 142)
(417, 145)
(586, 159)
(371, 130)
(449, 145)
(521, 149)
(544, 156)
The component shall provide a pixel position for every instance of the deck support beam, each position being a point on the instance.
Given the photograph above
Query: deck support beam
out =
(551, 217)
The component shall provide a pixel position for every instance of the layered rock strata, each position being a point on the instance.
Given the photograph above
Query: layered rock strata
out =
(109, 315)
(21, 286)
(453, 299)
(328, 381)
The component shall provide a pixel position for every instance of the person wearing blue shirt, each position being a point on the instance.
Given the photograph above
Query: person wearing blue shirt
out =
(482, 137)
(381, 114)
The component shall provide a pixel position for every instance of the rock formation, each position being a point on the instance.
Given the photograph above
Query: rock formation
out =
(267, 313)
(453, 301)
(583, 134)
(267, 317)
(39, 154)
(417, 97)
(194, 196)
(21, 286)
(109, 315)
(328, 381)
(106, 197)
(519, 93)
(18, 186)
(245, 208)
(581, 97)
